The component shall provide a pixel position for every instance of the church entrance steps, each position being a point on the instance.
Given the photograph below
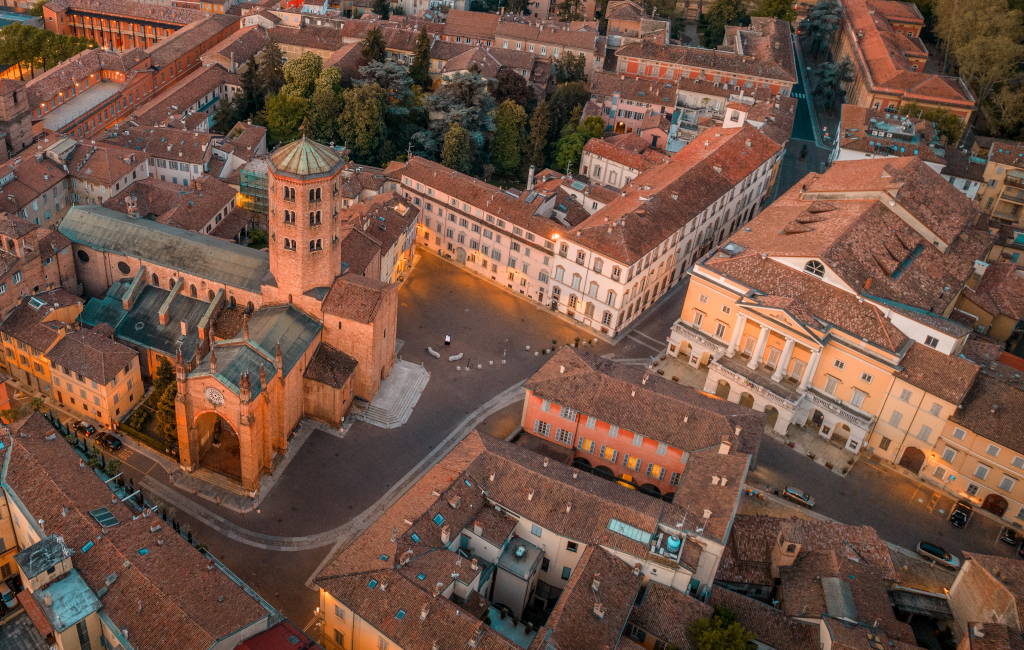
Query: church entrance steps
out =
(397, 396)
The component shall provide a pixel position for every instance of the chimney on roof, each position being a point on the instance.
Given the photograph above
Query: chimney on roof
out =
(561, 370)
(568, 507)
(478, 529)
(529, 495)
(724, 447)
(545, 461)
(737, 432)
(424, 611)
(446, 534)
(529, 180)
(596, 584)
(599, 611)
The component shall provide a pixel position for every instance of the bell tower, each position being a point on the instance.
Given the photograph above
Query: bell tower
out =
(305, 255)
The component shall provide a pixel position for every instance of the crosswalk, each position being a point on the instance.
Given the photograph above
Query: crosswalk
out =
(800, 95)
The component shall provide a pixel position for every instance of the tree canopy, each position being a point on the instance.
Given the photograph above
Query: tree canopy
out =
(781, 9)
(457, 152)
(570, 67)
(38, 48)
(363, 127)
(509, 138)
(420, 68)
(374, 48)
(720, 14)
(464, 98)
(721, 631)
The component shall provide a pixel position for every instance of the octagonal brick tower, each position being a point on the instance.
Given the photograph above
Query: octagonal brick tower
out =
(304, 179)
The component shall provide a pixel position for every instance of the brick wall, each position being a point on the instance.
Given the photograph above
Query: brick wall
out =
(978, 596)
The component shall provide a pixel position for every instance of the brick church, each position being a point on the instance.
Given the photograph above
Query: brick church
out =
(311, 338)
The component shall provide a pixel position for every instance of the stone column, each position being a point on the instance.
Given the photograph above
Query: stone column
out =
(809, 370)
(762, 340)
(737, 335)
(787, 354)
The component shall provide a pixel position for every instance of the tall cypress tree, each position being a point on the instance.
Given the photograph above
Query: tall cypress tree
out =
(272, 67)
(420, 68)
(537, 140)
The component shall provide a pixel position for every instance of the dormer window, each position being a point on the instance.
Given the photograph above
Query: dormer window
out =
(814, 267)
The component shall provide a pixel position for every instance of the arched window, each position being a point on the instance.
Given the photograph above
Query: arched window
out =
(589, 312)
(193, 291)
(319, 245)
(231, 301)
(572, 301)
(610, 300)
(318, 214)
(289, 216)
(814, 267)
(314, 218)
(312, 195)
(592, 292)
(311, 218)
(287, 244)
(156, 280)
(210, 294)
(318, 194)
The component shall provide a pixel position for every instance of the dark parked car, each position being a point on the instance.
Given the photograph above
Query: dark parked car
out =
(961, 514)
(110, 442)
(86, 428)
(799, 496)
(936, 553)
(1011, 536)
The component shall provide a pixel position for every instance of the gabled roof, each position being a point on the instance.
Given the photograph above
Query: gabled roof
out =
(108, 231)
(356, 297)
(1000, 292)
(92, 353)
(644, 403)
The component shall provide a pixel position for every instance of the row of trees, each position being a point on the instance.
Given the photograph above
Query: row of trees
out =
(38, 48)
(469, 123)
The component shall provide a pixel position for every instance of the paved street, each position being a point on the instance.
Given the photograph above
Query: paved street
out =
(903, 511)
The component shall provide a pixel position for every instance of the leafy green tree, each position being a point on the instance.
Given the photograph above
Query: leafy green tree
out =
(570, 67)
(272, 68)
(946, 123)
(457, 152)
(374, 48)
(831, 76)
(463, 99)
(420, 68)
(823, 22)
(166, 417)
(164, 376)
(569, 148)
(720, 14)
(569, 10)
(37, 8)
(227, 115)
(721, 631)
(322, 116)
(301, 74)
(985, 62)
(382, 8)
(1009, 115)
(509, 84)
(536, 149)
(781, 9)
(563, 103)
(509, 138)
(282, 115)
(363, 125)
(393, 77)
(251, 101)
(330, 80)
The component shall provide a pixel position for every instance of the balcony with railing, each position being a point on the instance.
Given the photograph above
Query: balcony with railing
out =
(785, 393)
(846, 412)
(1014, 179)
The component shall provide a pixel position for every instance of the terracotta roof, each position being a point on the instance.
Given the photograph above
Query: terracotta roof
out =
(279, 637)
(173, 102)
(171, 581)
(629, 141)
(636, 161)
(839, 218)
(126, 9)
(663, 200)
(768, 624)
(574, 623)
(960, 165)
(103, 163)
(655, 93)
(491, 60)
(878, 132)
(1007, 152)
(355, 297)
(624, 10)
(995, 637)
(26, 321)
(712, 482)
(245, 138)
(472, 24)
(993, 409)
(14, 226)
(383, 218)
(945, 376)
(1000, 292)
(748, 553)
(91, 354)
(231, 225)
(767, 52)
(330, 366)
(642, 403)
(310, 37)
(668, 614)
(581, 35)
(31, 178)
(882, 58)
(169, 143)
(188, 38)
(189, 208)
(359, 251)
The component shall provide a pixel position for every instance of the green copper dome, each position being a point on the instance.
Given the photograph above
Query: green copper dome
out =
(305, 158)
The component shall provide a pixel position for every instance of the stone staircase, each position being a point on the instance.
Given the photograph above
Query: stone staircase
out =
(398, 394)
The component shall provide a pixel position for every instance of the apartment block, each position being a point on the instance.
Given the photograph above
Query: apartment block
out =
(833, 306)
(99, 576)
(35, 259)
(97, 171)
(1002, 196)
(496, 523)
(628, 424)
(29, 331)
(882, 40)
(603, 265)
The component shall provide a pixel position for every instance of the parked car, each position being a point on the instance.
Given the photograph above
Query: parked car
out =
(1020, 551)
(961, 514)
(937, 554)
(110, 442)
(799, 496)
(7, 596)
(1011, 536)
(86, 429)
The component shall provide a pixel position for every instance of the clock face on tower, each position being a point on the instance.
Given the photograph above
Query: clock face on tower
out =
(214, 396)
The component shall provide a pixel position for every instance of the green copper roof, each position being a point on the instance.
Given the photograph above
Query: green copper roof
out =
(305, 157)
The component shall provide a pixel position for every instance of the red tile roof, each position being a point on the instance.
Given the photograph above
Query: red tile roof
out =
(946, 376)
(279, 637)
(1000, 292)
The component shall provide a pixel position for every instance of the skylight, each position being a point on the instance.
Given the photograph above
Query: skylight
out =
(438, 519)
(421, 576)
(400, 615)
(631, 532)
(415, 538)
(373, 584)
(103, 517)
(384, 558)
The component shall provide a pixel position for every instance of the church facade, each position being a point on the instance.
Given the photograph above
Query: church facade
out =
(312, 338)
